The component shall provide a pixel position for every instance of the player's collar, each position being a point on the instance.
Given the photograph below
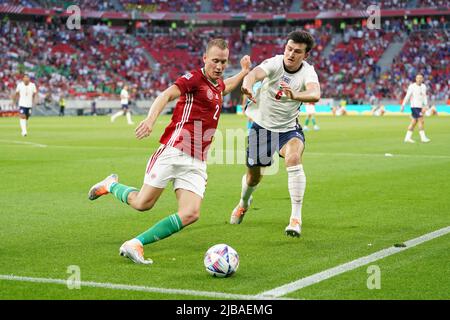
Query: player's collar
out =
(292, 72)
(214, 83)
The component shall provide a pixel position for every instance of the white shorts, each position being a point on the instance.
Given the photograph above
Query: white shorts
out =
(169, 164)
(310, 109)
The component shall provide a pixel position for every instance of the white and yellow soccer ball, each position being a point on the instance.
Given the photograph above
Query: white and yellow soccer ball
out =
(221, 260)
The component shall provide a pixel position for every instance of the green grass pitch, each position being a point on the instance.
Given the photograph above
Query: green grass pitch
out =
(358, 201)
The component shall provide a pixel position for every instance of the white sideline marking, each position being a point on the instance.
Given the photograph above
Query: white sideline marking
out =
(271, 294)
(25, 142)
(125, 287)
(318, 277)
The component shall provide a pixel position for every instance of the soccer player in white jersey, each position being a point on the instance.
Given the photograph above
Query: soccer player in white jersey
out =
(124, 101)
(286, 80)
(26, 93)
(417, 92)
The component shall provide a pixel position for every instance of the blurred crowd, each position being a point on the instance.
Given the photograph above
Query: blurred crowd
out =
(97, 60)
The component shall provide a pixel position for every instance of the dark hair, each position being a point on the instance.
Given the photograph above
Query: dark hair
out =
(220, 43)
(301, 36)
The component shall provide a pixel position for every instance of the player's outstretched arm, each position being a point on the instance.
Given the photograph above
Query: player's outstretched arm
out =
(406, 99)
(257, 74)
(35, 99)
(15, 98)
(311, 94)
(232, 82)
(145, 128)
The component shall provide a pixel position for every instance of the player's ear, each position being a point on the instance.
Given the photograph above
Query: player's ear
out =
(306, 55)
(204, 58)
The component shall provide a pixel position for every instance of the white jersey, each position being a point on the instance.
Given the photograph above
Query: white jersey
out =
(274, 114)
(26, 94)
(124, 96)
(418, 95)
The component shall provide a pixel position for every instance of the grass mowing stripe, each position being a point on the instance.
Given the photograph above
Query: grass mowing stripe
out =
(318, 277)
(24, 142)
(209, 294)
(431, 156)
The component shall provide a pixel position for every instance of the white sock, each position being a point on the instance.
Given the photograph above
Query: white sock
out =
(117, 114)
(246, 192)
(296, 186)
(23, 125)
(422, 134)
(408, 135)
(129, 118)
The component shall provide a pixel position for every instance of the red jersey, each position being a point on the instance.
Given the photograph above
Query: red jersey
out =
(196, 115)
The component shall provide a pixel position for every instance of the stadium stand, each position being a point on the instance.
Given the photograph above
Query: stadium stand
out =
(97, 59)
(97, 5)
(162, 6)
(276, 6)
(309, 5)
(426, 52)
(91, 61)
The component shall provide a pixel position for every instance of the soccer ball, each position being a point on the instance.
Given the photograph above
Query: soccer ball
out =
(221, 260)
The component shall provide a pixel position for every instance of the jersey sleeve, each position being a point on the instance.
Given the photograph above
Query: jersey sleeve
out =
(269, 65)
(187, 82)
(425, 98)
(18, 87)
(408, 95)
(311, 76)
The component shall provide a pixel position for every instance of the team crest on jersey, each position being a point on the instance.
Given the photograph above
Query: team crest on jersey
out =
(188, 76)
(286, 79)
(210, 94)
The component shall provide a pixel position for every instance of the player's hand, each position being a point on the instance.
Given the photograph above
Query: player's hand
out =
(144, 129)
(248, 92)
(246, 63)
(291, 94)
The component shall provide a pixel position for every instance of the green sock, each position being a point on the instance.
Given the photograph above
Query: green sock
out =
(314, 121)
(163, 229)
(121, 191)
(307, 121)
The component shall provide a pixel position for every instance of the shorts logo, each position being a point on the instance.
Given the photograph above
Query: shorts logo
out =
(210, 94)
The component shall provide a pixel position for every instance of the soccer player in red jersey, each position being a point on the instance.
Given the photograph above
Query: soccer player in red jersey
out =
(181, 157)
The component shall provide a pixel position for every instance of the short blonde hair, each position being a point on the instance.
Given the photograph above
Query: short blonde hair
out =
(220, 43)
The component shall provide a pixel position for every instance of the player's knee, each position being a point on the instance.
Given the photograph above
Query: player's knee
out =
(189, 216)
(292, 159)
(253, 179)
(143, 205)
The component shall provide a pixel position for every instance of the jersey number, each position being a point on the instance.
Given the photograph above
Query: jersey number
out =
(217, 111)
